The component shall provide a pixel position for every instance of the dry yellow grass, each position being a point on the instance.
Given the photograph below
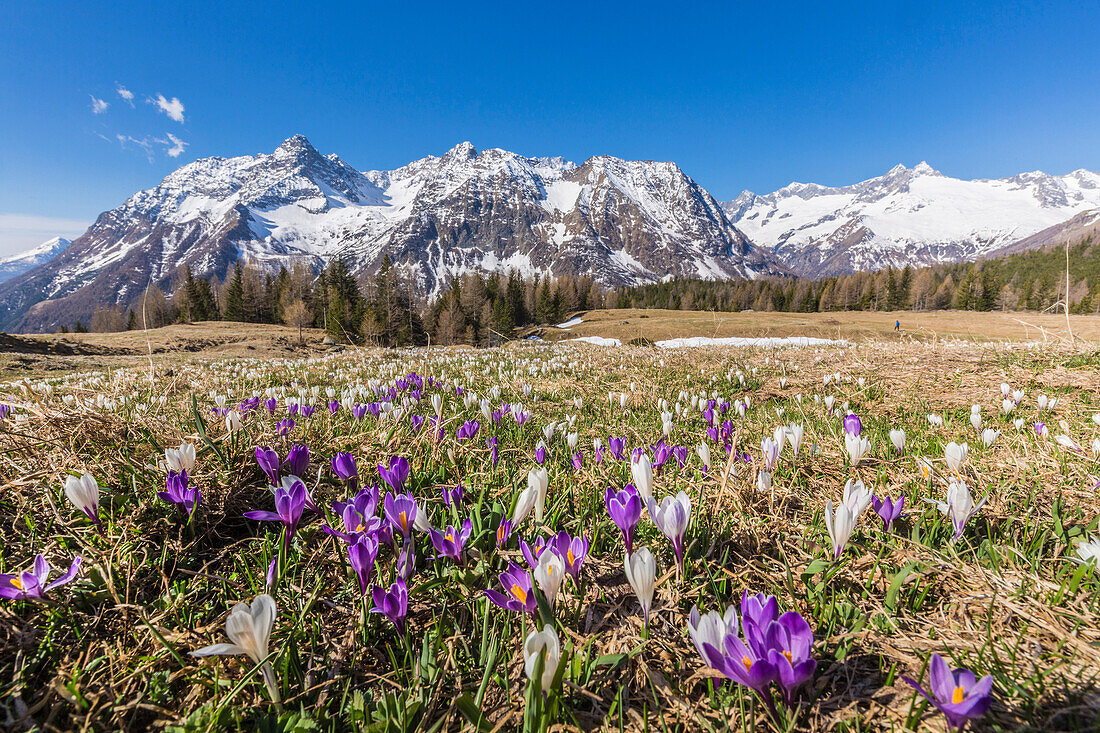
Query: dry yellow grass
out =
(626, 324)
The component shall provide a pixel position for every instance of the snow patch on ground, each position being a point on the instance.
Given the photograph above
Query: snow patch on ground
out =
(570, 323)
(597, 340)
(768, 342)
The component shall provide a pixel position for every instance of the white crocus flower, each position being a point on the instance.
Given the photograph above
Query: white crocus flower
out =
(711, 628)
(1066, 442)
(249, 628)
(857, 446)
(856, 497)
(763, 482)
(437, 403)
(897, 437)
(180, 459)
(641, 573)
(989, 436)
(1096, 447)
(542, 644)
(1089, 551)
(955, 455)
(1007, 406)
(795, 433)
(83, 492)
(976, 420)
(1019, 423)
(532, 497)
(839, 525)
(642, 472)
(233, 422)
(549, 574)
(703, 451)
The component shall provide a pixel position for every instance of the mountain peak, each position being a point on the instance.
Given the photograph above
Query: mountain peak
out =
(463, 151)
(296, 145)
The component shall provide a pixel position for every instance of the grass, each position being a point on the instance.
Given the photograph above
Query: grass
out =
(110, 650)
(656, 324)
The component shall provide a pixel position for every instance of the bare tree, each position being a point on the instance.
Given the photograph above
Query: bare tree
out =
(297, 314)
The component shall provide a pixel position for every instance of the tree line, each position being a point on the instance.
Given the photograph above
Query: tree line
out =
(385, 312)
(1034, 280)
(481, 310)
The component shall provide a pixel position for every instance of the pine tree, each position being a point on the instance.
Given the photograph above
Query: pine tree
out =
(234, 295)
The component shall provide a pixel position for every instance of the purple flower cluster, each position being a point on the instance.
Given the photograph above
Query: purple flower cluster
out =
(772, 648)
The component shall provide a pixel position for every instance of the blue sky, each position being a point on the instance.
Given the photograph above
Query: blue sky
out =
(741, 95)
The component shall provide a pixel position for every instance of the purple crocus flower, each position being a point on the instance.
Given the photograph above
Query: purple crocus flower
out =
(334, 406)
(343, 465)
(451, 543)
(269, 464)
(417, 422)
(358, 516)
(292, 408)
(494, 450)
(888, 510)
(359, 411)
(532, 552)
(453, 497)
(518, 594)
(468, 430)
(289, 503)
(393, 604)
(661, 453)
(283, 427)
(578, 461)
(540, 454)
(397, 473)
(956, 693)
(297, 460)
(758, 612)
(680, 453)
(625, 508)
(308, 410)
(271, 404)
(401, 512)
(790, 642)
(616, 446)
(34, 583)
(177, 492)
(362, 554)
(572, 551)
(504, 531)
(374, 408)
(740, 663)
(5, 410)
(852, 424)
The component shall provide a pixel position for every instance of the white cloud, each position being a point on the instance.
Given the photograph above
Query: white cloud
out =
(172, 107)
(98, 105)
(177, 146)
(126, 94)
(144, 144)
(20, 232)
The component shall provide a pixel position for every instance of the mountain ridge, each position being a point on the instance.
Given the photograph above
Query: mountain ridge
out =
(623, 222)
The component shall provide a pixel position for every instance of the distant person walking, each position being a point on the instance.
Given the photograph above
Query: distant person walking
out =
(897, 325)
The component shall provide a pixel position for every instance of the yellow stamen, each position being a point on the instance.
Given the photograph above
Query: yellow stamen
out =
(500, 534)
(571, 556)
(747, 662)
(17, 582)
(787, 654)
(450, 537)
(404, 521)
(519, 593)
(957, 696)
(359, 528)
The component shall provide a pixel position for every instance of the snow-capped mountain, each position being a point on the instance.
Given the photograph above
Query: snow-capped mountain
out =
(913, 216)
(19, 263)
(620, 221)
